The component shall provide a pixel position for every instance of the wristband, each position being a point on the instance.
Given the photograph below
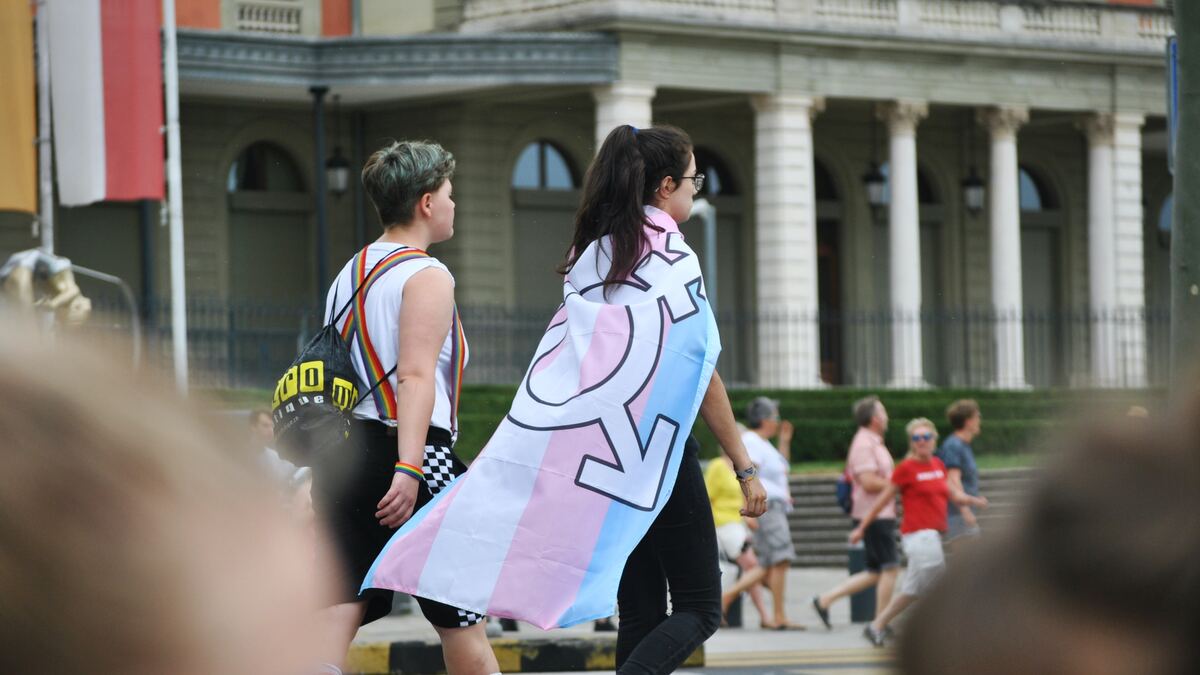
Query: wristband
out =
(748, 474)
(410, 471)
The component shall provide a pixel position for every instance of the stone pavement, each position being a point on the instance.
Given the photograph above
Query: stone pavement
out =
(748, 647)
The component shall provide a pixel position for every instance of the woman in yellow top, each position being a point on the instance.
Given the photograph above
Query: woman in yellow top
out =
(733, 533)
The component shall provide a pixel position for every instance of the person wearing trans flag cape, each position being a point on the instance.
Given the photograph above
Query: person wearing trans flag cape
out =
(585, 492)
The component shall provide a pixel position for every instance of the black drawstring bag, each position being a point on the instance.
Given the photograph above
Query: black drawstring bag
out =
(314, 398)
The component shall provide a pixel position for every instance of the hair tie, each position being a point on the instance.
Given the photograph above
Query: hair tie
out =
(635, 129)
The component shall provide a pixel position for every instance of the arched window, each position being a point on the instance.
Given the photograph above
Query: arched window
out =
(542, 166)
(825, 187)
(264, 167)
(925, 192)
(718, 179)
(1034, 194)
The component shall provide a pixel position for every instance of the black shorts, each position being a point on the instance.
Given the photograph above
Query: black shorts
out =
(347, 486)
(880, 543)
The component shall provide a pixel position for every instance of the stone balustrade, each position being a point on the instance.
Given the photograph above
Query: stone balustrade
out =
(1066, 23)
(285, 17)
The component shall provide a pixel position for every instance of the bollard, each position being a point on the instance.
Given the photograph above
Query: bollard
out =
(862, 604)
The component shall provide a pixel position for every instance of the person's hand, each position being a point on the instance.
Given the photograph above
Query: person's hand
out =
(397, 505)
(752, 524)
(981, 502)
(856, 535)
(968, 517)
(756, 498)
(786, 431)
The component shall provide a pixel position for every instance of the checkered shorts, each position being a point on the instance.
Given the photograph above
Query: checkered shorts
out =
(440, 467)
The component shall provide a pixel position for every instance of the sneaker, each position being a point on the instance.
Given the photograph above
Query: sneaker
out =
(874, 636)
(823, 613)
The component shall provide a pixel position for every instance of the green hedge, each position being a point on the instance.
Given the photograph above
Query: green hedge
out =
(1014, 422)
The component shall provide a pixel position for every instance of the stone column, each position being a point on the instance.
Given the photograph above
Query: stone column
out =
(1004, 198)
(789, 349)
(1102, 257)
(621, 103)
(904, 241)
(1115, 268)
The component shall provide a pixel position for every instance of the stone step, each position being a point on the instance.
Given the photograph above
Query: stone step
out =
(819, 527)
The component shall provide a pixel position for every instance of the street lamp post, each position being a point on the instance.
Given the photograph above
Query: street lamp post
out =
(318, 94)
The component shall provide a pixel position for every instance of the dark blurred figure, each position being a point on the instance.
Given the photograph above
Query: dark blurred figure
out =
(294, 481)
(133, 539)
(1101, 573)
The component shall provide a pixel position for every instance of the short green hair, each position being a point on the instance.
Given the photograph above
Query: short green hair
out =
(398, 174)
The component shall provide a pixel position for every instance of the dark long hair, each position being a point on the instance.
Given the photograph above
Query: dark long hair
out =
(621, 180)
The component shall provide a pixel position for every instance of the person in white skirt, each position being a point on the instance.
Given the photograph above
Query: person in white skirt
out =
(921, 483)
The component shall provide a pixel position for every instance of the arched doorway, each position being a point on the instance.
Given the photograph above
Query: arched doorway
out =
(1045, 324)
(545, 195)
(723, 190)
(829, 275)
(270, 242)
(1159, 221)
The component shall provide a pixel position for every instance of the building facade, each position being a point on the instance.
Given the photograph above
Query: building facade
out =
(847, 142)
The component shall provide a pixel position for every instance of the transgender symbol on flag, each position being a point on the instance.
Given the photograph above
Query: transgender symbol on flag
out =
(636, 475)
(540, 527)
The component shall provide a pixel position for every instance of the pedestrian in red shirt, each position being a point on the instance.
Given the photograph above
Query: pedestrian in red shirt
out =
(924, 491)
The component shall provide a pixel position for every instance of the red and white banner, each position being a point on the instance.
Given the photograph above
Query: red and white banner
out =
(107, 97)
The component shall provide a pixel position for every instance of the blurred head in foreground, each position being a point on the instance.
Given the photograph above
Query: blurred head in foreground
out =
(1099, 574)
(132, 540)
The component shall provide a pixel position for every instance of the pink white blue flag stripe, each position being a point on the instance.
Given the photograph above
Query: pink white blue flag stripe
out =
(540, 527)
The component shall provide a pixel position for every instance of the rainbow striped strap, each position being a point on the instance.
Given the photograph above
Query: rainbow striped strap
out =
(355, 326)
(458, 361)
(410, 471)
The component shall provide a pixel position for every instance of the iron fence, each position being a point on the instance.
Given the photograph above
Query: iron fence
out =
(248, 345)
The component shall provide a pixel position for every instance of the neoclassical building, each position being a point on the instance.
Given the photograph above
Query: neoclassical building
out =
(908, 193)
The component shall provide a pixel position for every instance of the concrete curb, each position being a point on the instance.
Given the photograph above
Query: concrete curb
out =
(539, 655)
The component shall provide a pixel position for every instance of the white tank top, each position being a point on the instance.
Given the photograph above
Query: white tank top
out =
(382, 311)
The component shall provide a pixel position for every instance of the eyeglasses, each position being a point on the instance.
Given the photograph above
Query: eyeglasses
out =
(697, 181)
(922, 437)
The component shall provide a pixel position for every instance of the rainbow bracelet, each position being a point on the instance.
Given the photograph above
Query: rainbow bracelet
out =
(410, 470)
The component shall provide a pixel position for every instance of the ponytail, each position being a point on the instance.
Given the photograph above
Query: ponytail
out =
(621, 180)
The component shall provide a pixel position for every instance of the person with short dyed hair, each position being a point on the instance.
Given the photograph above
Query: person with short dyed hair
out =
(407, 345)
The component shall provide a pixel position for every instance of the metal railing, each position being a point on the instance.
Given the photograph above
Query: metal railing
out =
(248, 345)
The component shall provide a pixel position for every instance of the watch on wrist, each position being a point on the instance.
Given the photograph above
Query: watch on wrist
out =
(749, 473)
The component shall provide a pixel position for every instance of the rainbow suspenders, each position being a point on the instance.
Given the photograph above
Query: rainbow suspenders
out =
(355, 329)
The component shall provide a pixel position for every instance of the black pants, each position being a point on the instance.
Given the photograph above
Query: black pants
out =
(678, 552)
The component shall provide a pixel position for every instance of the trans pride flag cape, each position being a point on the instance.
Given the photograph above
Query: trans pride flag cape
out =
(540, 527)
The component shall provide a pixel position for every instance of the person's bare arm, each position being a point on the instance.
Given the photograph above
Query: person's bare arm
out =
(718, 415)
(954, 479)
(885, 498)
(784, 444)
(964, 500)
(426, 313)
(871, 481)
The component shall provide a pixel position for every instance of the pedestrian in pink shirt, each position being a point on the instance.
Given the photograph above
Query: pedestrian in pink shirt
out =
(870, 465)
